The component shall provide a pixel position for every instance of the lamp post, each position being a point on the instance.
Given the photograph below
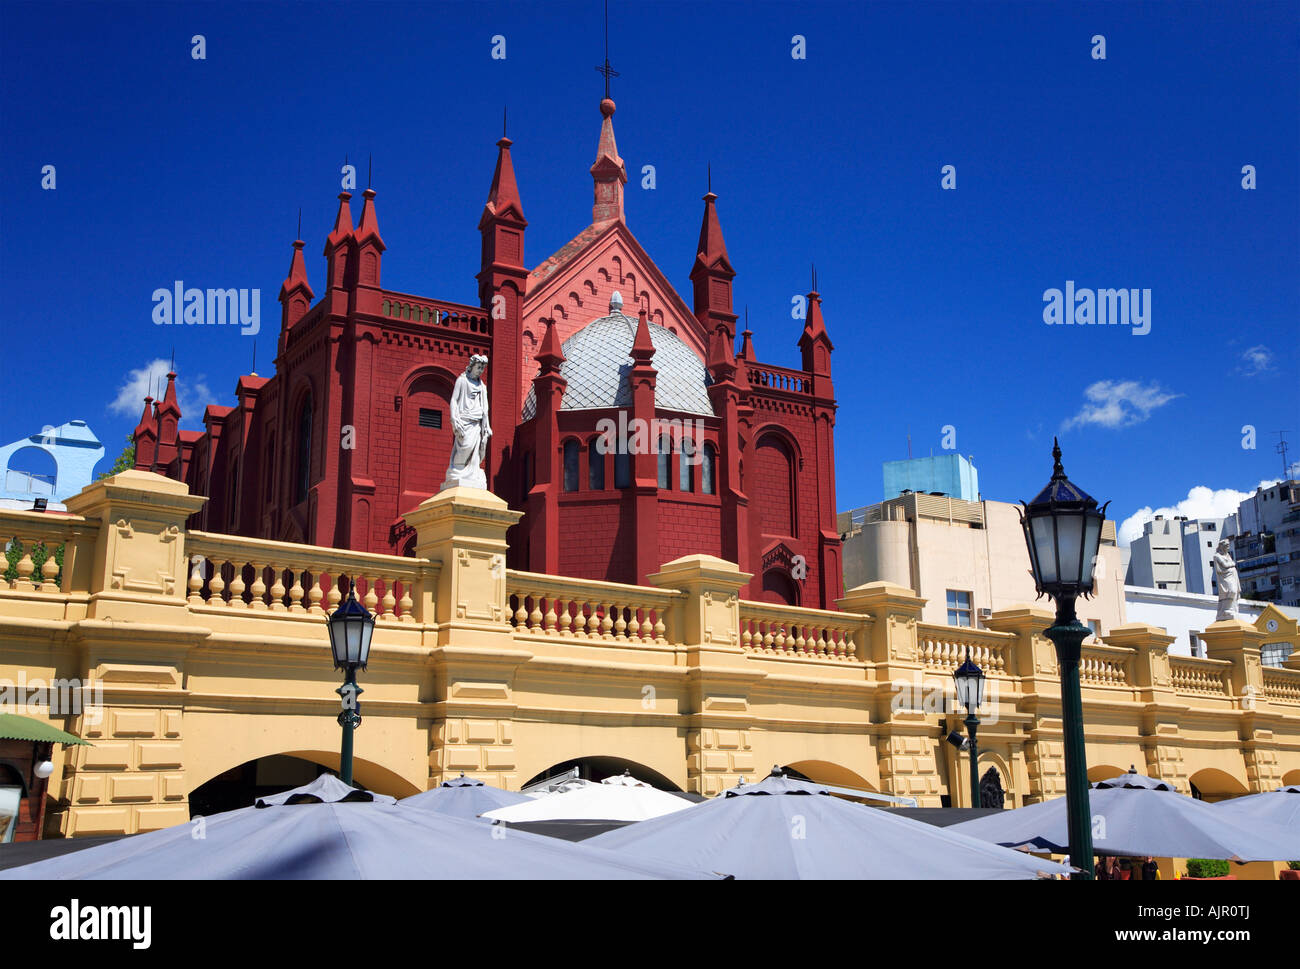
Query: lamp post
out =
(969, 679)
(351, 627)
(1063, 531)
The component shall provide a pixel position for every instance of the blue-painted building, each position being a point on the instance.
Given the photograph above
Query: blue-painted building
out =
(947, 474)
(54, 464)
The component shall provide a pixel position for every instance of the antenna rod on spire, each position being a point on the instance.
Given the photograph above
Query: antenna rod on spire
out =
(505, 110)
(607, 70)
(370, 165)
(300, 222)
(173, 366)
(254, 370)
(710, 178)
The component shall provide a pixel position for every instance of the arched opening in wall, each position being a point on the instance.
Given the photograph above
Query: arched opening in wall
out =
(598, 768)
(823, 772)
(240, 786)
(32, 471)
(780, 588)
(1102, 772)
(426, 438)
(571, 464)
(1291, 777)
(595, 465)
(1211, 784)
(772, 488)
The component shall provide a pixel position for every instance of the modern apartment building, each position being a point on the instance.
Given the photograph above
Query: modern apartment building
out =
(1174, 554)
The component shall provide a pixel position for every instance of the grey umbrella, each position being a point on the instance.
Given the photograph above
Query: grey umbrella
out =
(787, 829)
(463, 797)
(1138, 815)
(312, 836)
(1281, 807)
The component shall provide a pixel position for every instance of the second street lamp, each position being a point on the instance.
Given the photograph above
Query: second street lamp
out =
(1063, 531)
(351, 627)
(969, 680)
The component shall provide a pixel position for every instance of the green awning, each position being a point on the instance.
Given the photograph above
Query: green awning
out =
(14, 727)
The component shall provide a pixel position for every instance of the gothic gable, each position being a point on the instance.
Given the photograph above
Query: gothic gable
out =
(574, 286)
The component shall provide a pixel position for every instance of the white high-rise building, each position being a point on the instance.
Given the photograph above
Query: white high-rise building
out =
(1174, 554)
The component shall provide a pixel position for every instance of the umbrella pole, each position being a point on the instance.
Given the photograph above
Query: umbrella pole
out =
(1068, 635)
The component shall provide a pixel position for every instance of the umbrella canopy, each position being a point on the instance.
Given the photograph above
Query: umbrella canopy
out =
(784, 828)
(1143, 817)
(463, 797)
(1281, 807)
(341, 839)
(597, 802)
(326, 789)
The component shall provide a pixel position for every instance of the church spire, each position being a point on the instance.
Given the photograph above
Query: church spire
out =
(608, 172)
(503, 196)
(338, 244)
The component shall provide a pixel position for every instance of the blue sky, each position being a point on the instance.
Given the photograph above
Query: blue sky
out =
(1123, 172)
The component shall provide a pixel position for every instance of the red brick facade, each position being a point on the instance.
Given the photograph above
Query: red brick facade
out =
(353, 429)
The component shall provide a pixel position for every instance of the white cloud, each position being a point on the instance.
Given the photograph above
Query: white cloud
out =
(1201, 502)
(1255, 361)
(191, 395)
(1118, 403)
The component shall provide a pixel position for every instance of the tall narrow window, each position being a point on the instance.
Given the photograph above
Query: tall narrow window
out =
(686, 463)
(665, 462)
(304, 452)
(571, 465)
(707, 469)
(622, 468)
(595, 466)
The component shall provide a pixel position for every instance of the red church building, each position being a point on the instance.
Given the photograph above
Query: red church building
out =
(353, 429)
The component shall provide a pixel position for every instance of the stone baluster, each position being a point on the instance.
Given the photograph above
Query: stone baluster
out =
(258, 589)
(277, 590)
(295, 590)
(314, 595)
(371, 599)
(216, 584)
(196, 580)
(389, 602)
(405, 603)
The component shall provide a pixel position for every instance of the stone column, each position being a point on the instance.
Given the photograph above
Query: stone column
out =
(716, 705)
(1238, 642)
(1161, 736)
(133, 778)
(907, 735)
(1033, 662)
(463, 530)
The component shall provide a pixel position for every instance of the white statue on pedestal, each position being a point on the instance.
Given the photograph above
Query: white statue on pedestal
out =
(1225, 573)
(469, 423)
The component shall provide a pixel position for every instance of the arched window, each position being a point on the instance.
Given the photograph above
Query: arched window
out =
(773, 484)
(686, 463)
(708, 469)
(595, 466)
(665, 462)
(571, 465)
(304, 451)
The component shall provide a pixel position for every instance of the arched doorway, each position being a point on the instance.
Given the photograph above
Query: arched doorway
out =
(1104, 772)
(780, 588)
(598, 768)
(243, 784)
(1211, 784)
(240, 786)
(823, 772)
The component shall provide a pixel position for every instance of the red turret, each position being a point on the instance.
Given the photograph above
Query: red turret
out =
(145, 437)
(543, 498)
(370, 249)
(712, 275)
(295, 293)
(339, 247)
(502, 283)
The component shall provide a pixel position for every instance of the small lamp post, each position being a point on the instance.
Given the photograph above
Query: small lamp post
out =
(1063, 531)
(351, 627)
(969, 679)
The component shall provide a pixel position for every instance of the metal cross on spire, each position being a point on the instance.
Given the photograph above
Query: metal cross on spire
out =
(607, 70)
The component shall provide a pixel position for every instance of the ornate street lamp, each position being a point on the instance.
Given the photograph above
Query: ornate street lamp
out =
(351, 626)
(1063, 531)
(969, 679)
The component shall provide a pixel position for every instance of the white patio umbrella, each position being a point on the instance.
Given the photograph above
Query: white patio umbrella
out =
(1281, 806)
(1137, 815)
(789, 829)
(320, 832)
(597, 802)
(462, 797)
